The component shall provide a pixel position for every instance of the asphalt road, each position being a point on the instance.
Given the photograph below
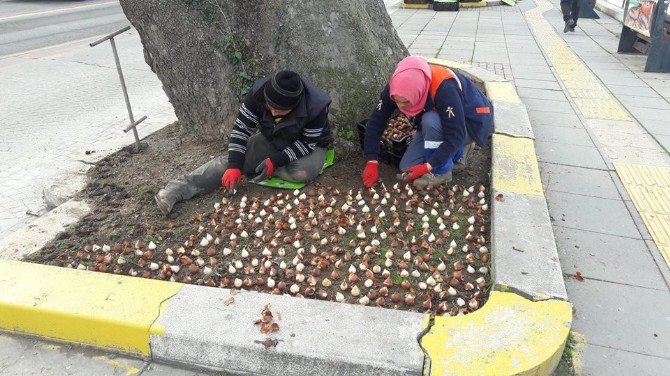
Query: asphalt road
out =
(27, 25)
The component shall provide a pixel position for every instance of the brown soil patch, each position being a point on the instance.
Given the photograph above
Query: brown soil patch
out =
(117, 235)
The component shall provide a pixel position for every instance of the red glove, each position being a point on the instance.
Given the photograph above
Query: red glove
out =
(230, 178)
(370, 174)
(416, 172)
(265, 170)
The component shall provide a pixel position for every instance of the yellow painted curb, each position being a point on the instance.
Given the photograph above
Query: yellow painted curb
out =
(514, 166)
(509, 335)
(414, 6)
(98, 309)
(501, 92)
(447, 63)
(479, 4)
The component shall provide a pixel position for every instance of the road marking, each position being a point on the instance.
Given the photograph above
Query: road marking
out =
(56, 11)
(649, 188)
(65, 44)
(592, 99)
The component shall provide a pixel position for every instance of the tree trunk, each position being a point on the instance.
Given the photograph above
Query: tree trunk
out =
(208, 52)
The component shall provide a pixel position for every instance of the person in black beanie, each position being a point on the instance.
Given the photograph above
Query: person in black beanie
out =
(281, 129)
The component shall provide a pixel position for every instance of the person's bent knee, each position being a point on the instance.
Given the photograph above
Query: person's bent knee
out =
(430, 120)
(298, 176)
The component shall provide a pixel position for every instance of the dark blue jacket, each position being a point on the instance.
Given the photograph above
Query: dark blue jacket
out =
(462, 108)
(294, 137)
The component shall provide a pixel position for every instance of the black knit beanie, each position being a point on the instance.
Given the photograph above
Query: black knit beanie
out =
(284, 90)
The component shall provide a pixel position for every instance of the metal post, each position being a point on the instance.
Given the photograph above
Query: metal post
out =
(133, 123)
(125, 92)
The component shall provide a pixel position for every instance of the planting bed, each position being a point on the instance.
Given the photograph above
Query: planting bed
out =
(392, 246)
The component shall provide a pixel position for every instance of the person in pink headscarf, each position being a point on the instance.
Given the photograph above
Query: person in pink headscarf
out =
(451, 111)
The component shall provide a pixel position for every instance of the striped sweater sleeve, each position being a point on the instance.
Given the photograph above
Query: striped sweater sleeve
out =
(245, 125)
(312, 132)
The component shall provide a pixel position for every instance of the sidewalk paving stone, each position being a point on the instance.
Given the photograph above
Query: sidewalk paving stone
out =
(662, 266)
(572, 155)
(643, 102)
(591, 214)
(549, 105)
(568, 120)
(571, 136)
(544, 94)
(617, 315)
(156, 369)
(551, 84)
(656, 127)
(664, 140)
(639, 222)
(608, 258)
(29, 356)
(526, 75)
(602, 360)
(658, 115)
(578, 180)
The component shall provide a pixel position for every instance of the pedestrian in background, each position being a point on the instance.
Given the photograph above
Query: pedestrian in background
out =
(570, 9)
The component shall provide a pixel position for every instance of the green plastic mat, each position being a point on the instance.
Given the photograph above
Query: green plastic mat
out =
(283, 184)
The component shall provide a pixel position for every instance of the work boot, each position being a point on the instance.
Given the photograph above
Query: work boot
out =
(569, 25)
(462, 163)
(433, 180)
(164, 203)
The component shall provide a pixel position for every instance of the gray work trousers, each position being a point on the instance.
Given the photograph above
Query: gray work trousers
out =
(207, 177)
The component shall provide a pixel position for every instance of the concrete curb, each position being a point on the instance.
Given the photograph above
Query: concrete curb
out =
(315, 337)
(42, 230)
(514, 333)
(522, 329)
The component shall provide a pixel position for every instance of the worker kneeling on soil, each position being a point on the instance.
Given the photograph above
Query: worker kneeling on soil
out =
(281, 130)
(452, 114)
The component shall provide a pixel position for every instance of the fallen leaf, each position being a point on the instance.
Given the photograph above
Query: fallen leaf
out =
(268, 342)
(500, 197)
(578, 276)
(266, 328)
(197, 218)
(171, 224)
(229, 301)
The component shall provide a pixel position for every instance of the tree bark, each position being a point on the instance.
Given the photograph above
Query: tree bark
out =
(208, 52)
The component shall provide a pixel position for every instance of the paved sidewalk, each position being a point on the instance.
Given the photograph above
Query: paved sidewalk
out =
(596, 116)
(60, 104)
(27, 356)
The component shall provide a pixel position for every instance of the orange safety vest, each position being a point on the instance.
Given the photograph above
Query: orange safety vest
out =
(439, 74)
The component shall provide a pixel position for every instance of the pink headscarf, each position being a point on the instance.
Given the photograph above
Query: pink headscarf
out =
(411, 80)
